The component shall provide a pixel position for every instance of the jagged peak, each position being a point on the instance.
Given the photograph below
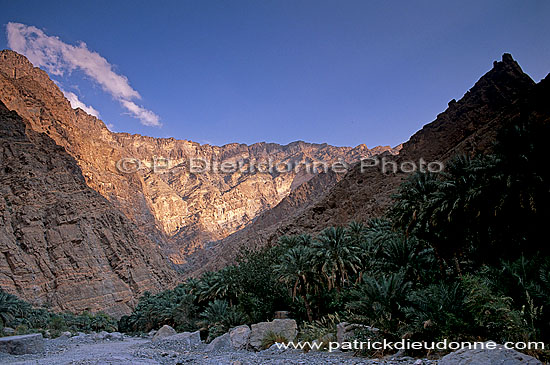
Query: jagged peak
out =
(15, 64)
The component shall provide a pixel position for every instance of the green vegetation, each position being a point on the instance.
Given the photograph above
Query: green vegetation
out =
(458, 256)
(24, 318)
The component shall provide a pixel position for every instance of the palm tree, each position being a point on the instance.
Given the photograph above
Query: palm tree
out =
(336, 256)
(356, 232)
(457, 208)
(216, 311)
(292, 241)
(223, 284)
(415, 201)
(9, 305)
(295, 269)
(381, 299)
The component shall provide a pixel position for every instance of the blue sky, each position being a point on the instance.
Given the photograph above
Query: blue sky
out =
(341, 72)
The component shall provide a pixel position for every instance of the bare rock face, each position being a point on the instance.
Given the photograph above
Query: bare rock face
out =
(180, 210)
(61, 243)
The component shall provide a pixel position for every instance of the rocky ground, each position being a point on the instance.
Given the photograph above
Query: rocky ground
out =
(87, 349)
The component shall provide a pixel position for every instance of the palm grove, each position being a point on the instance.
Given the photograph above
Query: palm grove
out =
(460, 255)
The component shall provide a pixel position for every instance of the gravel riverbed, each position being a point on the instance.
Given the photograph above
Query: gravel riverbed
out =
(134, 350)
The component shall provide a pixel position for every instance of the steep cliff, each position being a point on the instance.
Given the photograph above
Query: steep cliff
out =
(61, 243)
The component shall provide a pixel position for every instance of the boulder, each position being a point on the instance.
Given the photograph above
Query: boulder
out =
(115, 336)
(63, 336)
(187, 339)
(164, 331)
(284, 327)
(480, 355)
(82, 335)
(184, 341)
(220, 343)
(24, 344)
(151, 333)
(236, 339)
(240, 337)
(100, 336)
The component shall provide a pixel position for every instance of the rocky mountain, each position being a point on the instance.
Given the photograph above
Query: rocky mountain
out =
(468, 126)
(62, 244)
(152, 181)
(89, 216)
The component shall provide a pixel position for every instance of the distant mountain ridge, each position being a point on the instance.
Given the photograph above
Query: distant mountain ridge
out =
(178, 210)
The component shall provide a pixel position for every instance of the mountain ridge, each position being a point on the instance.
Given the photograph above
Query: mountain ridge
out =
(178, 210)
(467, 126)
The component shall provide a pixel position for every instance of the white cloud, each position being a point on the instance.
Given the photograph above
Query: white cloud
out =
(147, 117)
(76, 103)
(57, 57)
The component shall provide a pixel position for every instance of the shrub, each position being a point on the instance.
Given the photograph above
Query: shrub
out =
(272, 338)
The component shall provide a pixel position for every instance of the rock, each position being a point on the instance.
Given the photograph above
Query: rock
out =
(220, 343)
(82, 335)
(64, 336)
(164, 331)
(116, 336)
(284, 327)
(483, 356)
(236, 339)
(151, 333)
(180, 342)
(240, 337)
(8, 331)
(187, 339)
(20, 345)
(345, 331)
(100, 336)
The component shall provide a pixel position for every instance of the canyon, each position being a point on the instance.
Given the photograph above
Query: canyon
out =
(151, 183)
(91, 219)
